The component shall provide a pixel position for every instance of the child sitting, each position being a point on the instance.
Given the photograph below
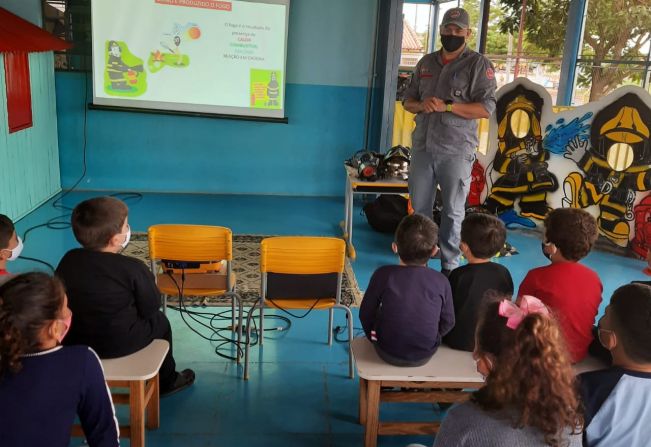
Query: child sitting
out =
(571, 290)
(407, 308)
(529, 397)
(10, 245)
(114, 297)
(44, 386)
(617, 400)
(482, 236)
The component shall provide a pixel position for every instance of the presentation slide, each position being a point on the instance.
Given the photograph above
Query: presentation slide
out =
(202, 56)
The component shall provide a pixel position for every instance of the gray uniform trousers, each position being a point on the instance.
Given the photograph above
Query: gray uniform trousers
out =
(451, 172)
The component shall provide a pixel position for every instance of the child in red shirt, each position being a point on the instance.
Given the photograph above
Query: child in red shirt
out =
(571, 290)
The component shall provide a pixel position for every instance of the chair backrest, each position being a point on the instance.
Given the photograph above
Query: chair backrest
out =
(302, 267)
(203, 243)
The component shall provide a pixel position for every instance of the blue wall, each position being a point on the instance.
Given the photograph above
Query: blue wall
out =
(327, 65)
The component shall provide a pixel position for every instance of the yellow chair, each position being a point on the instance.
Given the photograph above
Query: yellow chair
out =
(204, 249)
(300, 273)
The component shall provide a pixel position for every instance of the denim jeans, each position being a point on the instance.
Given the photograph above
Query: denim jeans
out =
(451, 173)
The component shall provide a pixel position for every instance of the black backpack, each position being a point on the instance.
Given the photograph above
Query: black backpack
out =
(385, 213)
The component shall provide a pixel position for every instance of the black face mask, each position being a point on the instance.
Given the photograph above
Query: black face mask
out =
(545, 254)
(452, 43)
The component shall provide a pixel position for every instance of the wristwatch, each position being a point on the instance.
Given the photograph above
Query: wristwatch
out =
(448, 105)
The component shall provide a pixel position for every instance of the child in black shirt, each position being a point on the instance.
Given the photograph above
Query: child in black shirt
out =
(482, 236)
(114, 298)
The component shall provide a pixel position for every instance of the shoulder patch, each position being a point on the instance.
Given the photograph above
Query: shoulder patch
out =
(490, 73)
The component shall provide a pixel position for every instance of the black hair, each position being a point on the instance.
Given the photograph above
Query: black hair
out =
(6, 231)
(416, 237)
(484, 234)
(630, 312)
(27, 303)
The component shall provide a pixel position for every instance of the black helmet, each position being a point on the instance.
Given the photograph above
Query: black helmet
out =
(396, 163)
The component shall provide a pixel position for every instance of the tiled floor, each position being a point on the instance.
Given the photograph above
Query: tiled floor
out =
(298, 394)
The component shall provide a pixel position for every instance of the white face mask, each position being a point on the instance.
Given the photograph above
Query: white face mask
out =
(127, 238)
(17, 250)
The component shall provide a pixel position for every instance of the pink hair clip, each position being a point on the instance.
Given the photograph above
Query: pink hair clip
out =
(515, 314)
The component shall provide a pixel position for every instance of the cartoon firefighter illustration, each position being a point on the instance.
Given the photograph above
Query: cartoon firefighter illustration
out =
(119, 73)
(521, 160)
(273, 90)
(615, 164)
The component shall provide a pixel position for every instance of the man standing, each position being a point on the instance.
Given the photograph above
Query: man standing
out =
(450, 89)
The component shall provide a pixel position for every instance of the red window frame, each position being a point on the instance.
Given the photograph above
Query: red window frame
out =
(19, 95)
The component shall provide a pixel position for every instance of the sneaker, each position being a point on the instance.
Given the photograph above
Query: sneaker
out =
(183, 380)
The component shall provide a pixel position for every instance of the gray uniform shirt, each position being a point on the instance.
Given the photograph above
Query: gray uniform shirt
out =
(466, 425)
(468, 78)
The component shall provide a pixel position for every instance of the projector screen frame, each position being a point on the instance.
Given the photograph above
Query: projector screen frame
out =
(264, 119)
(108, 104)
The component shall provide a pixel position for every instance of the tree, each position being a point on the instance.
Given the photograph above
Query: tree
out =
(615, 31)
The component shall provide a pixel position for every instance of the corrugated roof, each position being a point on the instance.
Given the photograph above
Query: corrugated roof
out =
(18, 35)
(410, 40)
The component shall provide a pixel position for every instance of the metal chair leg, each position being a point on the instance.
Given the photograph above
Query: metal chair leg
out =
(248, 342)
(331, 312)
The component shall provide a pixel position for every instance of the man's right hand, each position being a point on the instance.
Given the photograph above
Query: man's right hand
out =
(429, 105)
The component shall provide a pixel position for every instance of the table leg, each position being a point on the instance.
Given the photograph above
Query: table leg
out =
(349, 221)
(362, 400)
(372, 413)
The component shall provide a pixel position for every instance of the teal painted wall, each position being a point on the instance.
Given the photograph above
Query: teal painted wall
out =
(29, 159)
(329, 46)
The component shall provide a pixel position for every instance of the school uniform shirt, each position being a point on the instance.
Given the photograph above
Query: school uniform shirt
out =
(39, 403)
(573, 292)
(409, 308)
(467, 425)
(114, 301)
(469, 285)
(617, 407)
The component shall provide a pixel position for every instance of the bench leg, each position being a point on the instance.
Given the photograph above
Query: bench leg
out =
(153, 406)
(137, 413)
(372, 413)
(362, 400)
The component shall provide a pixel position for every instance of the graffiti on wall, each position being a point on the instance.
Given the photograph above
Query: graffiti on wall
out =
(596, 157)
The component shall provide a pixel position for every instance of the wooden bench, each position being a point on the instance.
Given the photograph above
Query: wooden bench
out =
(138, 373)
(446, 378)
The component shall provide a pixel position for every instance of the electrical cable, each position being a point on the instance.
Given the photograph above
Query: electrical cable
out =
(338, 330)
(216, 332)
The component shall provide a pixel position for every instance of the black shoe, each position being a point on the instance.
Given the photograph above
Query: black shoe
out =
(183, 380)
(446, 272)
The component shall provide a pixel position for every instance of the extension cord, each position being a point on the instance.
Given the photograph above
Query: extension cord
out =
(278, 328)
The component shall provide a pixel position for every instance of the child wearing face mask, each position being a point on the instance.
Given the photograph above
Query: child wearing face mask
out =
(570, 289)
(43, 385)
(617, 400)
(10, 246)
(114, 297)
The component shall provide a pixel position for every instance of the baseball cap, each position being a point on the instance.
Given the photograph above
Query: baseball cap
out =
(456, 16)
